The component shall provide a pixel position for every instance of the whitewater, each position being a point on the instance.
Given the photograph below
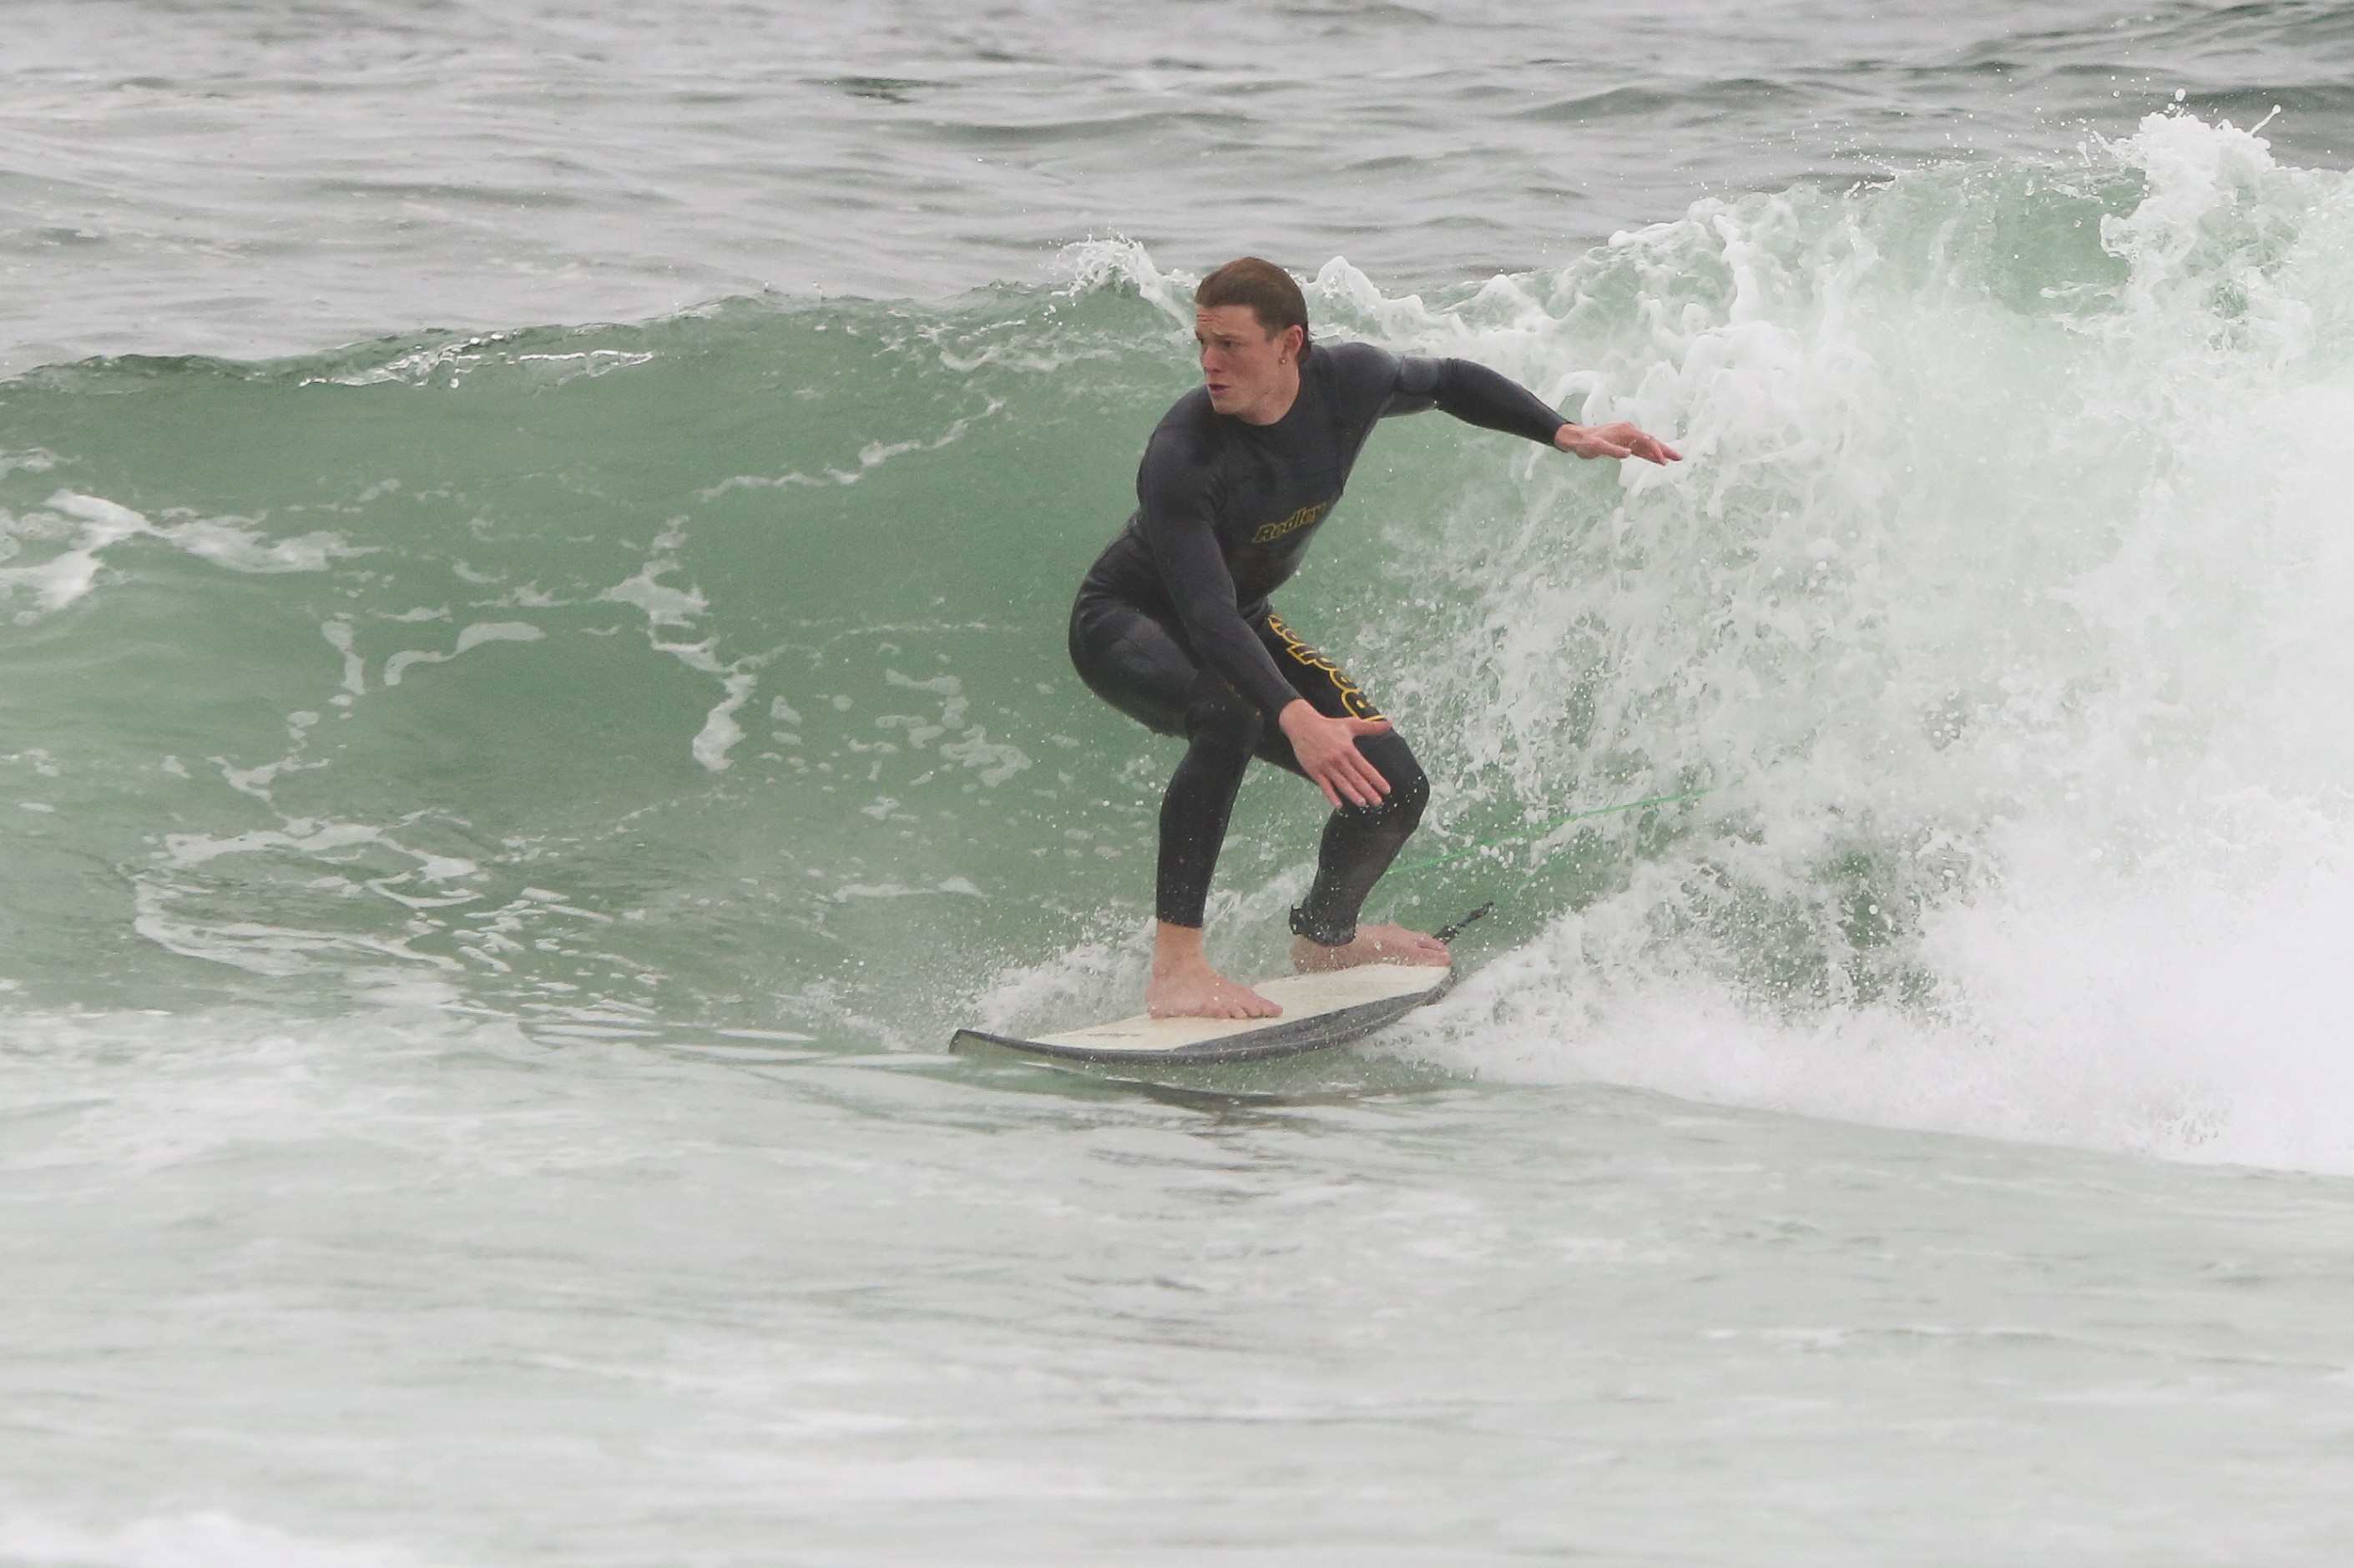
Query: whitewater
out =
(534, 554)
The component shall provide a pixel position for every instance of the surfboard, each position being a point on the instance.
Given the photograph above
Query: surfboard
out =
(1318, 1011)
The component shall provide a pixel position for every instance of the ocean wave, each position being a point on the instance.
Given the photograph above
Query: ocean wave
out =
(1982, 657)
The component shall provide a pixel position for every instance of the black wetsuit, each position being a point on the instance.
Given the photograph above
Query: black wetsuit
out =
(1172, 627)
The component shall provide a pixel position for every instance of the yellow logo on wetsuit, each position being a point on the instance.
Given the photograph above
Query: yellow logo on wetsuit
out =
(1354, 703)
(1291, 525)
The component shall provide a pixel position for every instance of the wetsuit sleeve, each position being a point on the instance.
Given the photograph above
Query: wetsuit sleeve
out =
(1475, 395)
(1178, 510)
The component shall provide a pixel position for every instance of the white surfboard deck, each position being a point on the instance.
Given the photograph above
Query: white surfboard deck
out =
(1318, 1010)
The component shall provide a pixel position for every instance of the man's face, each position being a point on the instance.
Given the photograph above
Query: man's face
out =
(1247, 369)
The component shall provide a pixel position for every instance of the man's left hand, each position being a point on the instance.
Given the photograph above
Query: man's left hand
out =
(1619, 441)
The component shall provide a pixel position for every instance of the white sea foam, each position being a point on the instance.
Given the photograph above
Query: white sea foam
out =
(2010, 631)
(96, 525)
(870, 456)
(473, 636)
(665, 606)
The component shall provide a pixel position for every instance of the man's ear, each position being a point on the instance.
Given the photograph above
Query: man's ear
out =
(1293, 336)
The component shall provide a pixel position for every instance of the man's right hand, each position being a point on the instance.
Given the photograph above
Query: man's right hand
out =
(1327, 749)
(1619, 441)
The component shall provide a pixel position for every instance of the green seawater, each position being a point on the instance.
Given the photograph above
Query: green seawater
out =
(706, 556)
(710, 670)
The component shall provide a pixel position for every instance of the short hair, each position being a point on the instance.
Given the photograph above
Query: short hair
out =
(1265, 288)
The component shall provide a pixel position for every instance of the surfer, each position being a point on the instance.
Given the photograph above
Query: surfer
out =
(1172, 627)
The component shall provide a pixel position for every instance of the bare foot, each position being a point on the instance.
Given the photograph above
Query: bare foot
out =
(1197, 990)
(1374, 945)
(1183, 985)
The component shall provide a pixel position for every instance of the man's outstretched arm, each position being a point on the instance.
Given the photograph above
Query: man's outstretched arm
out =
(1478, 396)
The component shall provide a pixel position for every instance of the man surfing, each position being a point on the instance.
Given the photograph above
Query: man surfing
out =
(1172, 626)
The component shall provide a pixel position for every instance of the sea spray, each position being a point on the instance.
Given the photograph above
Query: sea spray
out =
(2006, 620)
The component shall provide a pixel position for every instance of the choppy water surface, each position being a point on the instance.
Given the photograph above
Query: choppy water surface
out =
(261, 180)
(500, 811)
